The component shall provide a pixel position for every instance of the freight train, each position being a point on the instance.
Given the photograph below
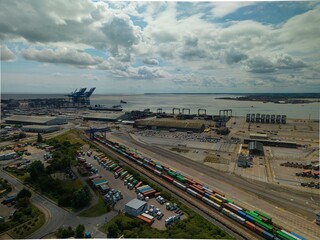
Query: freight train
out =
(256, 221)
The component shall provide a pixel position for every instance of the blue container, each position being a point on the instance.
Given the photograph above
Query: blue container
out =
(298, 236)
(249, 218)
(207, 195)
(241, 214)
(267, 235)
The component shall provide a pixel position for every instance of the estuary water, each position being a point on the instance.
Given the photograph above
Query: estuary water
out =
(193, 102)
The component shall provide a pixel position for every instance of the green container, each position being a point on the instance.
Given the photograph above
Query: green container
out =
(254, 216)
(181, 178)
(263, 215)
(135, 182)
(282, 235)
(263, 225)
(229, 201)
(172, 174)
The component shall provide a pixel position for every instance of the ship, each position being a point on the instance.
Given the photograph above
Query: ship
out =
(115, 108)
(122, 101)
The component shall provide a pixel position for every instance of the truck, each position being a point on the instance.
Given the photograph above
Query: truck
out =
(9, 200)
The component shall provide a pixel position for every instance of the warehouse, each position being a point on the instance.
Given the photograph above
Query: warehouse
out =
(171, 125)
(274, 143)
(243, 161)
(35, 120)
(40, 128)
(256, 148)
(135, 207)
(106, 117)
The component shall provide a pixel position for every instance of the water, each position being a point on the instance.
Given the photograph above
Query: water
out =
(194, 102)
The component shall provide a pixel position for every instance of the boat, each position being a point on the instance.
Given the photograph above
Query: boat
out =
(115, 108)
(122, 101)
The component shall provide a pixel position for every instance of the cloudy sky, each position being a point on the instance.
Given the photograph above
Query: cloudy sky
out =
(137, 47)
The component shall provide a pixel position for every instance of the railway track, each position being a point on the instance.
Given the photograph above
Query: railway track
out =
(261, 190)
(233, 228)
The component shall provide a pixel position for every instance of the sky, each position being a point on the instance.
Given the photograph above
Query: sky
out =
(159, 47)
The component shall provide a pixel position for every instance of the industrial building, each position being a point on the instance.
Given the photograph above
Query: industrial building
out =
(135, 207)
(256, 148)
(258, 136)
(273, 143)
(34, 120)
(171, 124)
(8, 156)
(106, 117)
(40, 128)
(243, 161)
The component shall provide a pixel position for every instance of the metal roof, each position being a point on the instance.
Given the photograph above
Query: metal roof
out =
(30, 119)
(40, 126)
(105, 115)
(171, 123)
(135, 203)
(256, 146)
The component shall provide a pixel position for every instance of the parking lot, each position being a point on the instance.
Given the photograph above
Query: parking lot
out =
(128, 195)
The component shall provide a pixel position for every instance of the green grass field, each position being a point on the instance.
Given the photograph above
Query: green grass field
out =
(97, 210)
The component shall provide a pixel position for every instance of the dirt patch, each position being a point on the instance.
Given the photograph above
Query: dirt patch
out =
(215, 159)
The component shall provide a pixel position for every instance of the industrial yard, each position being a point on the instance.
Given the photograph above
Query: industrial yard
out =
(269, 167)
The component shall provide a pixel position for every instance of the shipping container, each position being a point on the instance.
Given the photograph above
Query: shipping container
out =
(94, 177)
(172, 174)
(298, 236)
(138, 184)
(267, 235)
(222, 198)
(167, 178)
(263, 225)
(216, 200)
(254, 216)
(211, 203)
(147, 220)
(207, 195)
(135, 182)
(181, 178)
(230, 207)
(179, 185)
(201, 192)
(289, 234)
(159, 173)
(233, 216)
(191, 192)
(149, 193)
(283, 236)
(234, 205)
(148, 216)
(269, 219)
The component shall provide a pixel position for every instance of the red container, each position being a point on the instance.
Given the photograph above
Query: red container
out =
(167, 178)
(219, 193)
(157, 194)
(258, 230)
(151, 169)
(231, 208)
(119, 170)
(138, 184)
(149, 193)
(194, 188)
(249, 225)
(190, 181)
(116, 168)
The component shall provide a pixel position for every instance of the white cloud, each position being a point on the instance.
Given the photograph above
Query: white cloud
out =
(7, 54)
(61, 56)
(222, 9)
(151, 61)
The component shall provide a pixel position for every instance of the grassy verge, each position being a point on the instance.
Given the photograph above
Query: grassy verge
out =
(25, 229)
(97, 210)
(194, 227)
(73, 136)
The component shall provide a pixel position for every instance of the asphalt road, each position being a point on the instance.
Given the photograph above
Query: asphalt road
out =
(270, 198)
(56, 216)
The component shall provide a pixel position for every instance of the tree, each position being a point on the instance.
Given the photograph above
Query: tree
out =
(113, 230)
(80, 231)
(36, 170)
(39, 139)
(24, 193)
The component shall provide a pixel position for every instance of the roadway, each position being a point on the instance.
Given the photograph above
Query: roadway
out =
(56, 216)
(288, 208)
